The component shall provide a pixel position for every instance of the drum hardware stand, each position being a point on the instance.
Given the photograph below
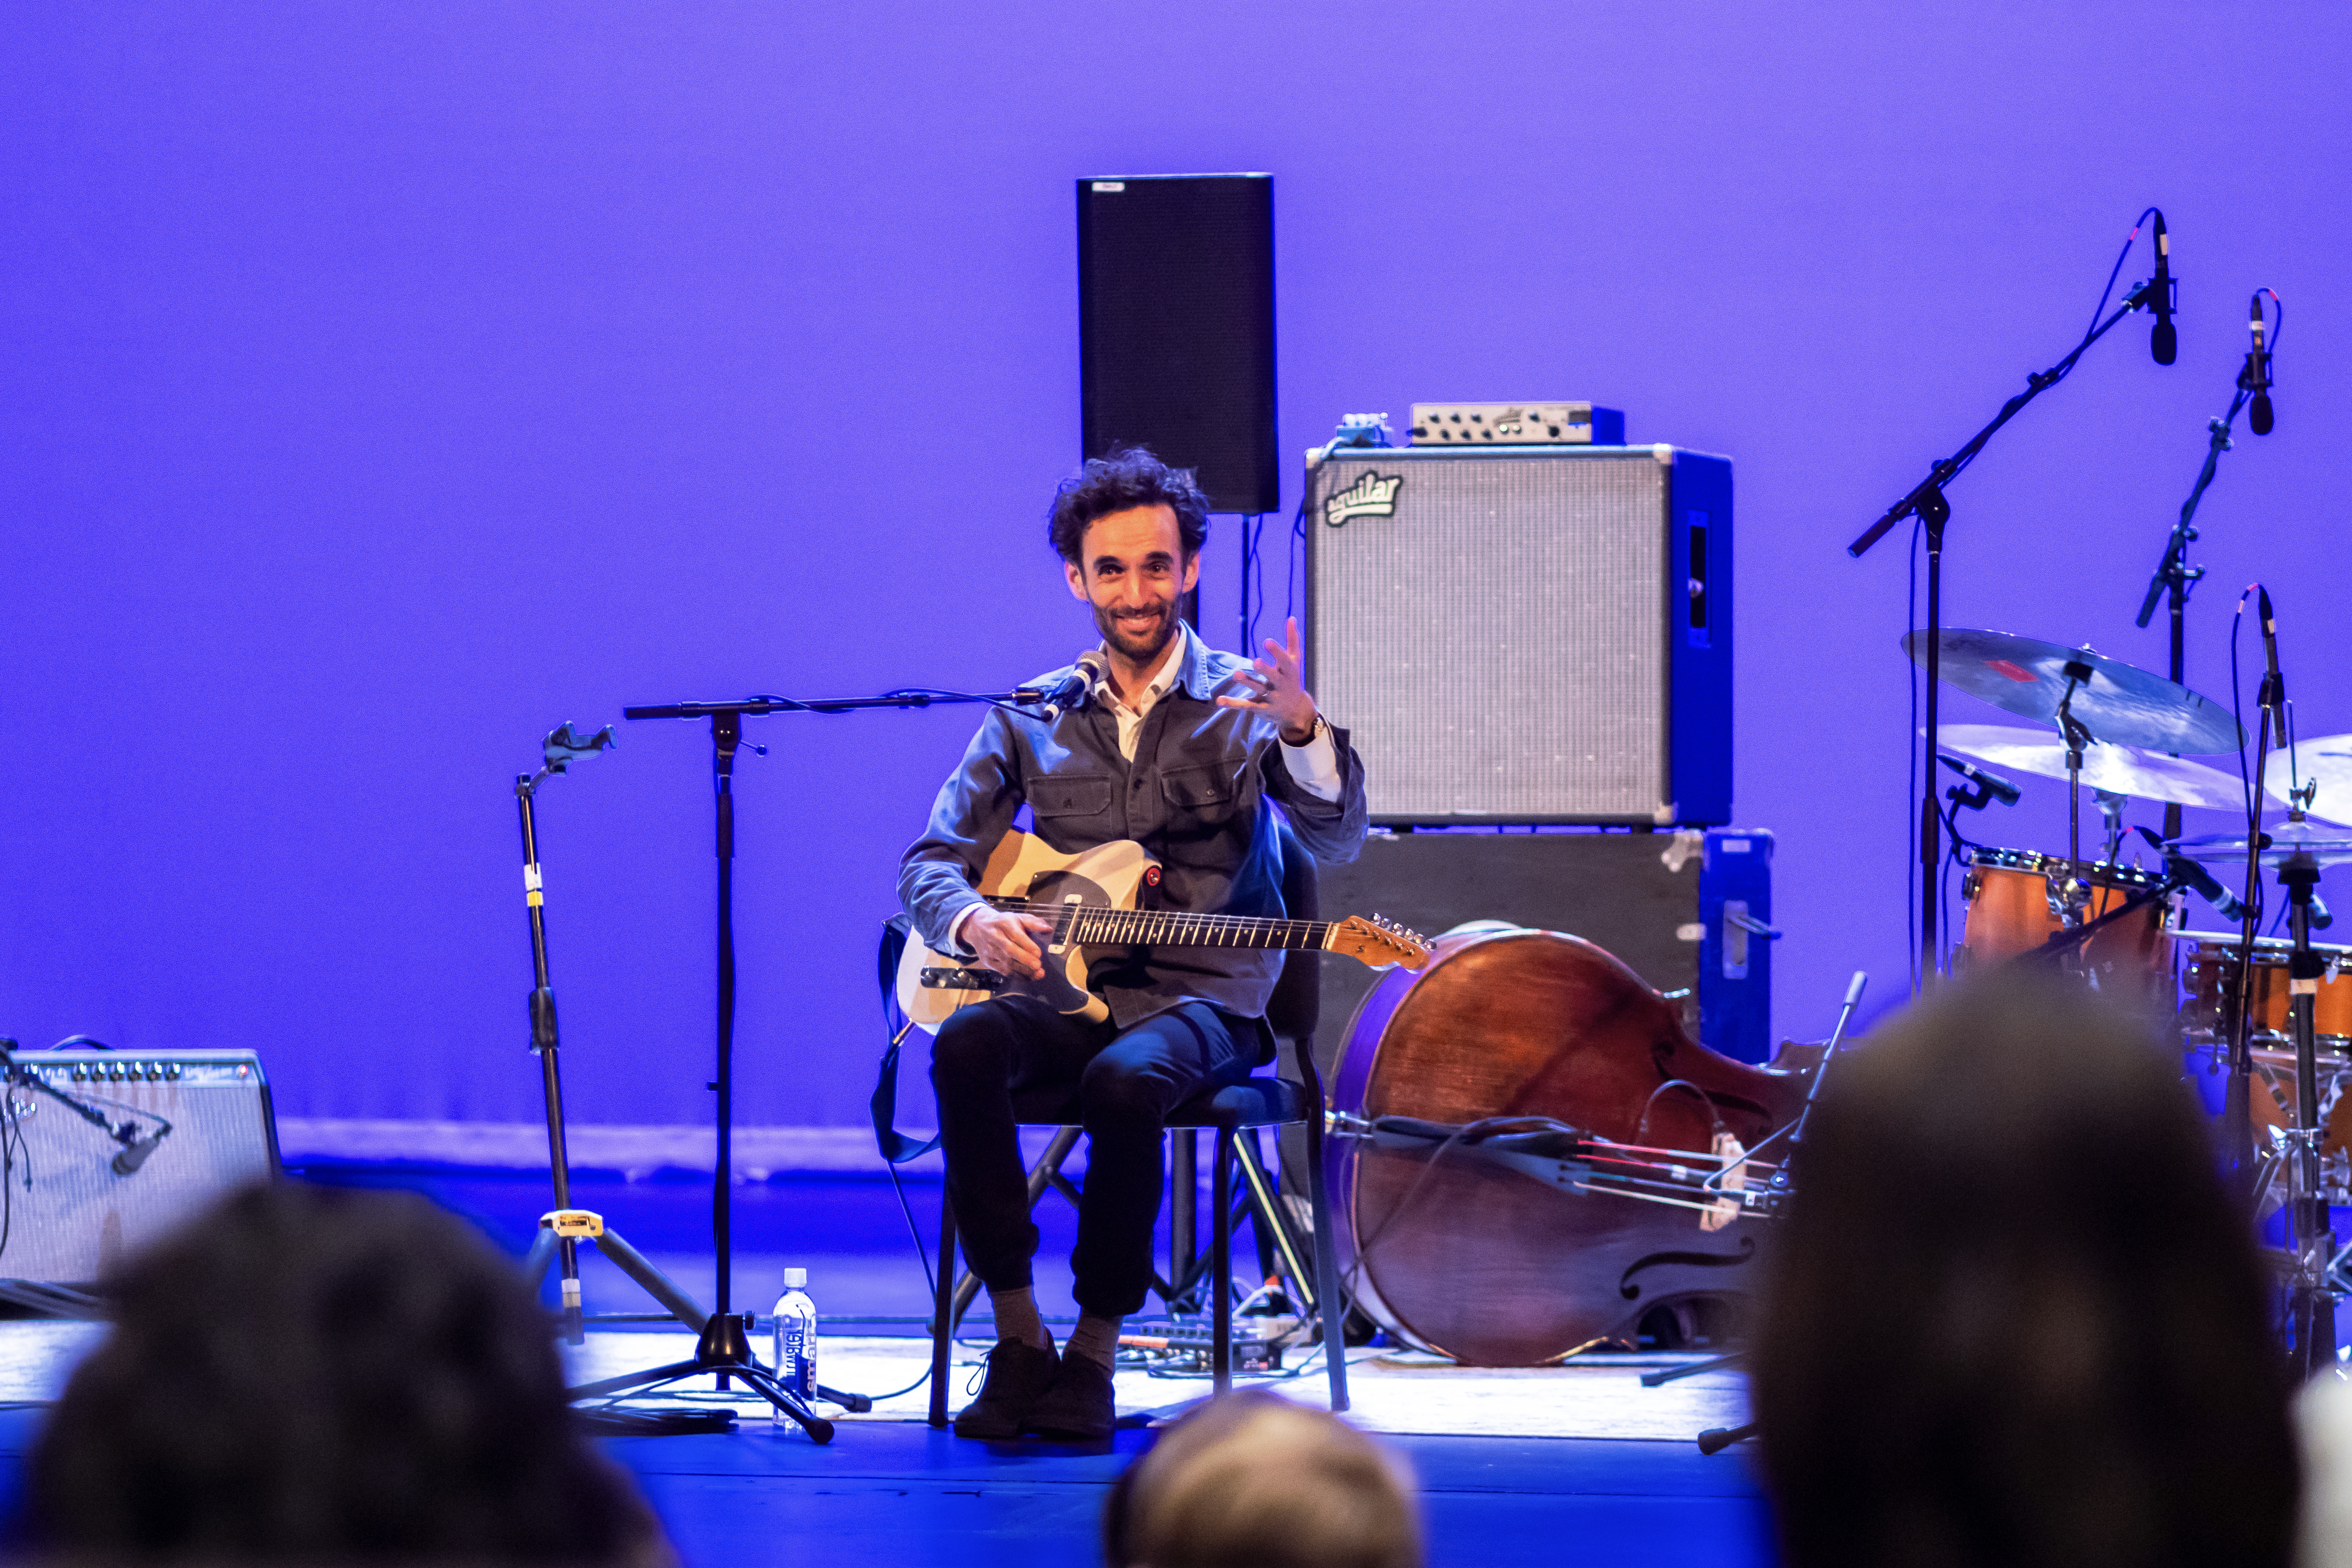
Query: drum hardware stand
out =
(1926, 501)
(2076, 894)
(2236, 1112)
(724, 1346)
(2311, 1307)
(723, 1352)
(1774, 1203)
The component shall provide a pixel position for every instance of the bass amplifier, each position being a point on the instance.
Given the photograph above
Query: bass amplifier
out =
(1527, 634)
(1687, 911)
(72, 1214)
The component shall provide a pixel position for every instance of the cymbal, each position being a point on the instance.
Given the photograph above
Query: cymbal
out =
(2120, 704)
(2263, 945)
(2329, 845)
(2329, 761)
(2118, 770)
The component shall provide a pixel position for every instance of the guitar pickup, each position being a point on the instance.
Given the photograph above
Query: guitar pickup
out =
(934, 979)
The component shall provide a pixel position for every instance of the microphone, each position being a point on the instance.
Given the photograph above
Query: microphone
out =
(2272, 694)
(2199, 880)
(1072, 689)
(2256, 377)
(2322, 917)
(2163, 342)
(1994, 786)
(134, 1153)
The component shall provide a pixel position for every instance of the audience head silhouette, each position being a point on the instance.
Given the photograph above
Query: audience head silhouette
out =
(2014, 1318)
(1254, 1481)
(305, 1373)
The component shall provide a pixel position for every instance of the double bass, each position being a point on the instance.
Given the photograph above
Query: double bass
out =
(1531, 1153)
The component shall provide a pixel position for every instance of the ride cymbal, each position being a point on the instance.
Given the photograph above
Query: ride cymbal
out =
(2120, 704)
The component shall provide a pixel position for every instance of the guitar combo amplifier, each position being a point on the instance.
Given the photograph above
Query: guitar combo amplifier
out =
(72, 1214)
(1527, 634)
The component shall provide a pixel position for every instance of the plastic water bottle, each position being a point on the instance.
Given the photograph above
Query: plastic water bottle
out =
(796, 1336)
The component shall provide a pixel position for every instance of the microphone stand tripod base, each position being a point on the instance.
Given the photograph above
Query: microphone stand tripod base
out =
(724, 1351)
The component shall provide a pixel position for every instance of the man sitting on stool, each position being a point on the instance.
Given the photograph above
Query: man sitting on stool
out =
(1182, 749)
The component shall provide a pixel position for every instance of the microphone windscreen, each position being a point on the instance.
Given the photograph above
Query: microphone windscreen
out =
(2164, 342)
(2260, 418)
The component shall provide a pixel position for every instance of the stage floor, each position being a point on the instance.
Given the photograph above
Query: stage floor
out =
(1578, 1463)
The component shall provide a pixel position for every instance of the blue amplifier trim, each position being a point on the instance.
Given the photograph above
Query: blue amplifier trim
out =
(1735, 964)
(1699, 614)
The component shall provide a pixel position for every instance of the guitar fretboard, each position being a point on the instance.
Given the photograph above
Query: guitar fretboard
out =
(1095, 926)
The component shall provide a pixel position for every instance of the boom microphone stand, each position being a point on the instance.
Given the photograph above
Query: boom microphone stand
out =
(1926, 501)
(2173, 581)
(724, 1345)
(725, 738)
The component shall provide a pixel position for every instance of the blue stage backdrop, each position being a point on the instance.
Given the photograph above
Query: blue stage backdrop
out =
(383, 383)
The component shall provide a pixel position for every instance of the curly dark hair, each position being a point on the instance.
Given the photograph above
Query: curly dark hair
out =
(308, 1373)
(1126, 479)
(2014, 1318)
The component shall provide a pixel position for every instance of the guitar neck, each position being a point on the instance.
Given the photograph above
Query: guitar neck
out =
(1094, 926)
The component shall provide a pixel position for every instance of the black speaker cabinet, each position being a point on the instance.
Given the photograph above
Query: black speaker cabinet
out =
(1176, 327)
(72, 1213)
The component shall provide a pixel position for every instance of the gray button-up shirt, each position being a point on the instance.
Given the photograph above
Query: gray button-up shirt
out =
(1196, 795)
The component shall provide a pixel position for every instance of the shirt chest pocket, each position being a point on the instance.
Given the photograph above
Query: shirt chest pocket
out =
(1203, 792)
(1070, 798)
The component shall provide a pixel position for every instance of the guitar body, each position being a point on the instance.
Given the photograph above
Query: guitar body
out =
(931, 985)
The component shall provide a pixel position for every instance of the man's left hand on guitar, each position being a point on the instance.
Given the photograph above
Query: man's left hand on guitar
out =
(1276, 688)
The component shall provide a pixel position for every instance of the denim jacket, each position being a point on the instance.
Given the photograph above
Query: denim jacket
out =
(1196, 796)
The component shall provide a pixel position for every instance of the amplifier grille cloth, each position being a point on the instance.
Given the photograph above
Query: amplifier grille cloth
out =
(1498, 646)
(76, 1216)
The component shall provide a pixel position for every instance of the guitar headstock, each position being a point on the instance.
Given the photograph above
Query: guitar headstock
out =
(1379, 942)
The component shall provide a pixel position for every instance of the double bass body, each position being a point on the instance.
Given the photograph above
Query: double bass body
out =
(1481, 1259)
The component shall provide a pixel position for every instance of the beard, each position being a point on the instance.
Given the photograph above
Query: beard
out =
(1138, 638)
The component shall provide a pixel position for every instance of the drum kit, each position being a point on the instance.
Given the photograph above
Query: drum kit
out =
(2275, 1012)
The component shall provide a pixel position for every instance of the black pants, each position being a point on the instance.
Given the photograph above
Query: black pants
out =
(1126, 1084)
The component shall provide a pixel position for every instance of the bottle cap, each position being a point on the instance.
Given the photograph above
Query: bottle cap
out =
(794, 1278)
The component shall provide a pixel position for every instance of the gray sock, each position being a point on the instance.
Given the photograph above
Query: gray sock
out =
(1017, 1319)
(1097, 1339)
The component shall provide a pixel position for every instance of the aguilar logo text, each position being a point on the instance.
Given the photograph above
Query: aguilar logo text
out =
(1371, 496)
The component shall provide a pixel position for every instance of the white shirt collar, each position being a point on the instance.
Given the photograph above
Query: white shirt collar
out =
(1170, 673)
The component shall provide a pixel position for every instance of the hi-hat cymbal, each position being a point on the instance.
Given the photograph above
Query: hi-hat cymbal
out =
(2118, 703)
(2328, 761)
(2118, 770)
(2329, 845)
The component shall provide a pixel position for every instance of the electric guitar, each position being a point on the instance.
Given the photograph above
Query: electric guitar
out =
(1090, 897)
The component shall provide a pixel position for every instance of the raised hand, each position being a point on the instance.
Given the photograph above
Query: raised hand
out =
(1272, 687)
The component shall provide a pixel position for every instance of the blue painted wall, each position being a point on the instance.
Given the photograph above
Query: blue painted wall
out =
(381, 384)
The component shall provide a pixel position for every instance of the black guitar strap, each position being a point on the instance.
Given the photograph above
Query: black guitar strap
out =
(895, 1146)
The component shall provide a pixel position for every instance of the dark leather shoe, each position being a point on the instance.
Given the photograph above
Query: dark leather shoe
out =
(1078, 1406)
(1018, 1376)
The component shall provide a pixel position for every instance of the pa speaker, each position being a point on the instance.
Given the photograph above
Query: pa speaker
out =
(1527, 634)
(70, 1213)
(1176, 328)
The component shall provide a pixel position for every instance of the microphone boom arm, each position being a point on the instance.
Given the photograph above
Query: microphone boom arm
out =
(1926, 495)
